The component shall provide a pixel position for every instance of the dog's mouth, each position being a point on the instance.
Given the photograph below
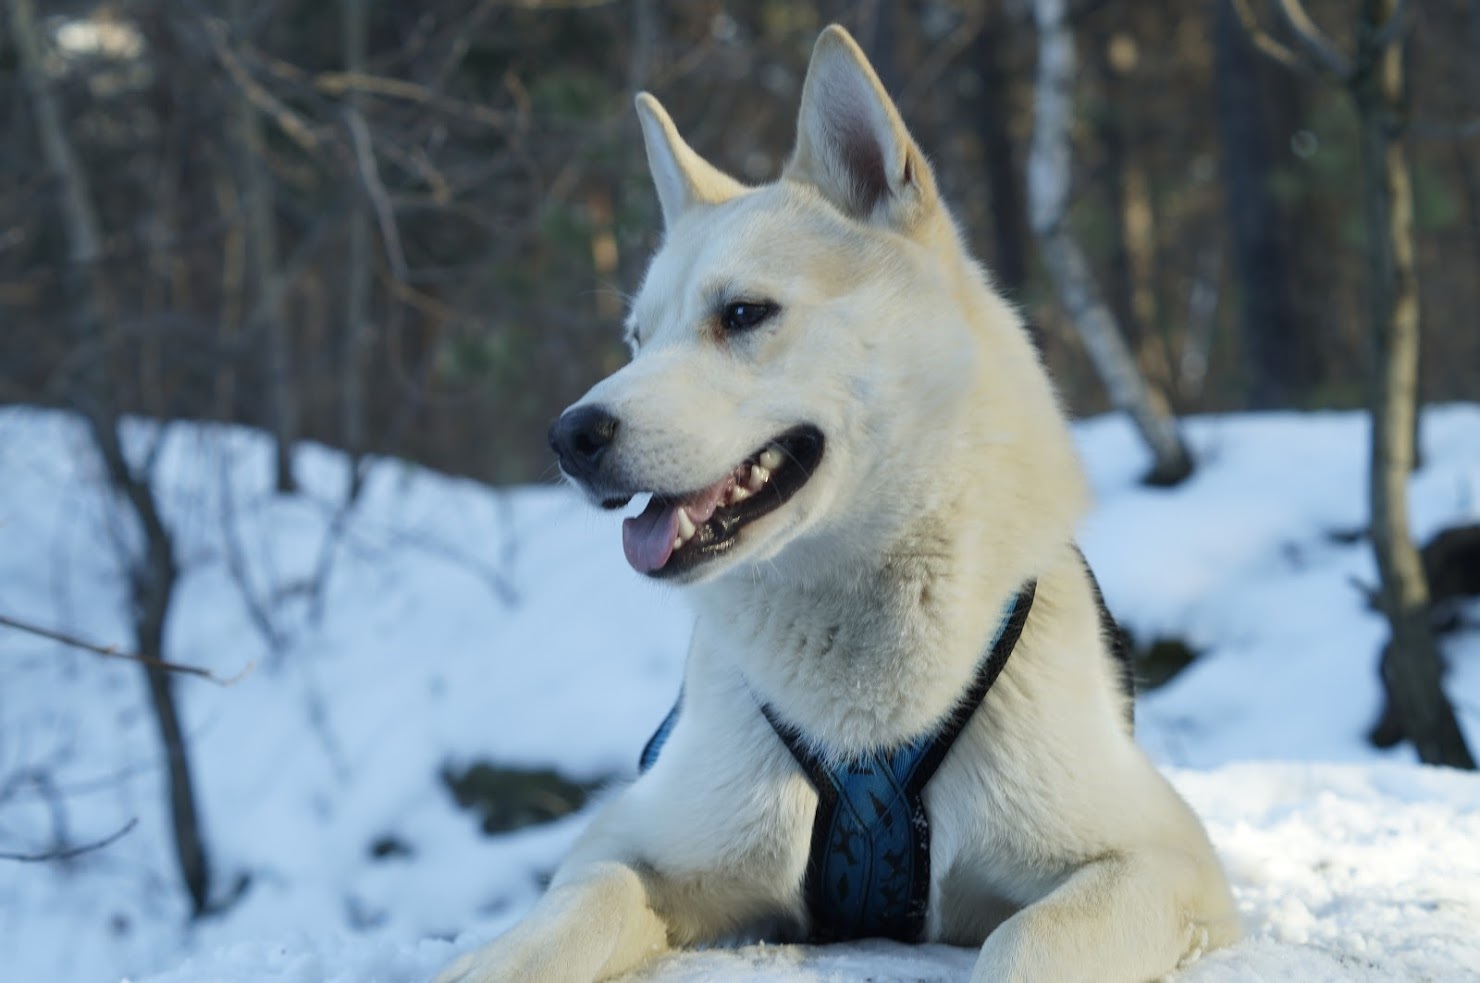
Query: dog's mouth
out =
(677, 533)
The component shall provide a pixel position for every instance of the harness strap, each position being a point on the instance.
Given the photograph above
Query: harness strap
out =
(649, 756)
(1118, 643)
(868, 873)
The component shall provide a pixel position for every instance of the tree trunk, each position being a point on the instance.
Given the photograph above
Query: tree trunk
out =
(1049, 170)
(262, 247)
(1009, 219)
(1414, 672)
(1109, 132)
(354, 17)
(1274, 353)
(152, 577)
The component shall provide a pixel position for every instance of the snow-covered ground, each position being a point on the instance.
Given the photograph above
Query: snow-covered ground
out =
(460, 624)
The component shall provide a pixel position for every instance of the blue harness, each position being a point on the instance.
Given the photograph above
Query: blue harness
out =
(868, 873)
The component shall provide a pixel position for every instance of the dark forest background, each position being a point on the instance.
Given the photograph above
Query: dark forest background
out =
(407, 228)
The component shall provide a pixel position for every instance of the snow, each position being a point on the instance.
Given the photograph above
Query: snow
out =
(460, 624)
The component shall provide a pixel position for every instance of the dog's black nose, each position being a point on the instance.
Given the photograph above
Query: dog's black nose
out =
(580, 438)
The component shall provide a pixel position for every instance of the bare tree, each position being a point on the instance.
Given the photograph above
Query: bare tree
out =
(1275, 352)
(354, 20)
(152, 574)
(1049, 172)
(260, 209)
(1374, 76)
(994, 130)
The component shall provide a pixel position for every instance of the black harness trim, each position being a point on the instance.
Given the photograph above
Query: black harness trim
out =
(1118, 642)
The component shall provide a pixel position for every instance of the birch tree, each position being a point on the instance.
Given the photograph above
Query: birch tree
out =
(1050, 168)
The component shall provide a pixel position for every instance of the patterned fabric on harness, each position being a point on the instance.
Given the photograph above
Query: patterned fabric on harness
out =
(868, 874)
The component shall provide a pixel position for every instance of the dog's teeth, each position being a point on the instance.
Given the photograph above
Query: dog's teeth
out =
(771, 458)
(685, 525)
(739, 494)
(677, 542)
(758, 477)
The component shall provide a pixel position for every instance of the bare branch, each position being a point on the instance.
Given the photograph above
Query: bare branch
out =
(70, 852)
(340, 83)
(290, 272)
(1268, 45)
(941, 57)
(556, 4)
(468, 28)
(1430, 130)
(236, 564)
(1395, 28)
(1320, 47)
(112, 652)
(416, 161)
(385, 216)
(288, 121)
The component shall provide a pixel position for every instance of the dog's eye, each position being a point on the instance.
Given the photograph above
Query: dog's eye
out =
(744, 315)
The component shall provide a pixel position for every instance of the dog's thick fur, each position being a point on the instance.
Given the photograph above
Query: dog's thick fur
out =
(860, 608)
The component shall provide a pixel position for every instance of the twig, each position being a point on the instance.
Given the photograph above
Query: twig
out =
(70, 852)
(289, 273)
(1267, 45)
(1321, 48)
(1396, 27)
(556, 4)
(941, 56)
(370, 177)
(340, 83)
(237, 566)
(112, 652)
(1429, 130)
(417, 162)
(468, 28)
(287, 120)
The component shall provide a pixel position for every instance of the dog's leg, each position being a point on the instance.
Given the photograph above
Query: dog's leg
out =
(1125, 918)
(593, 927)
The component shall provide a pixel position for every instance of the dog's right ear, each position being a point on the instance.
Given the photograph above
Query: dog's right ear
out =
(683, 178)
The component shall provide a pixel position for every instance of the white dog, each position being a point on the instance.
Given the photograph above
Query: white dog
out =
(902, 712)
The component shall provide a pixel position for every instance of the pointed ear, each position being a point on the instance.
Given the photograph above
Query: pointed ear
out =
(851, 143)
(682, 177)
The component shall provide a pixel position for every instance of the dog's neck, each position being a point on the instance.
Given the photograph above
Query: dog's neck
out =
(873, 656)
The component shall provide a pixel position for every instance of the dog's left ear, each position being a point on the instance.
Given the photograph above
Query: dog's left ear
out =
(851, 143)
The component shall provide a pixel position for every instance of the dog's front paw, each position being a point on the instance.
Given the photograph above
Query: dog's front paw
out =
(463, 970)
(491, 964)
(1195, 944)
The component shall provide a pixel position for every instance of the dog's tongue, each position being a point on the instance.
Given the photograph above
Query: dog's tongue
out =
(647, 539)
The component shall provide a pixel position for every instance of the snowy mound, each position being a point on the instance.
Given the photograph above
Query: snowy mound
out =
(1342, 873)
(453, 624)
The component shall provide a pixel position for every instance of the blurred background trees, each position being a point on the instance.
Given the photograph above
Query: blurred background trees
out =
(407, 229)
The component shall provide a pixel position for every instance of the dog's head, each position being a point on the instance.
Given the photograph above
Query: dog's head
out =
(780, 335)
